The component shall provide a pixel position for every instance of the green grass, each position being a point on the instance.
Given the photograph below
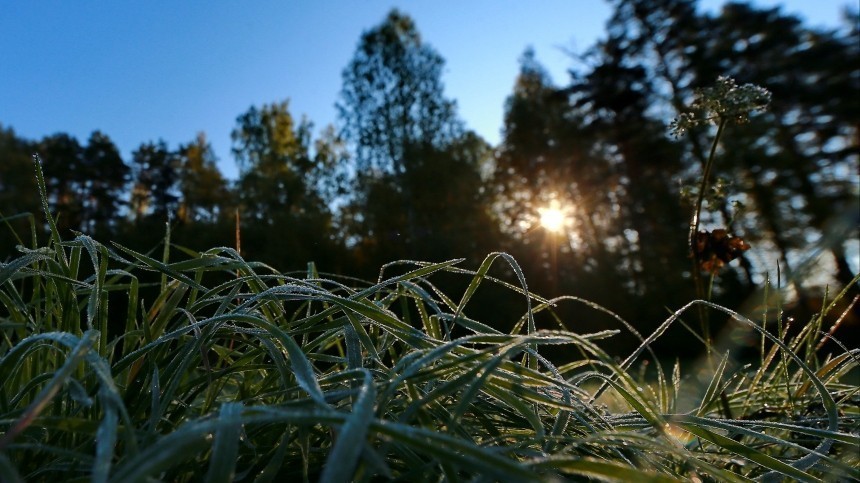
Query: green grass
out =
(230, 370)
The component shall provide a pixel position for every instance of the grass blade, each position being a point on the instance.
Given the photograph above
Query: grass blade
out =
(341, 462)
(75, 358)
(225, 449)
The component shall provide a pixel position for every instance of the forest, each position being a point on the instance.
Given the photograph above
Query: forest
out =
(401, 177)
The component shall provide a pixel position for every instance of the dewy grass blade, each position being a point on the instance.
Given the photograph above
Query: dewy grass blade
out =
(826, 398)
(713, 387)
(475, 283)
(106, 437)
(164, 308)
(182, 444)
(277, 354)
(639, 404)
(382, 318)
(441, 390)
(225, 448)
(7, 270)
(112, 402)
(270, 472)
(749, 453)
(606, 471)
(160, 267)
(485, 461)
(301, 366)
(751, 430)
(419, 272)
(829, 368)
(155, 400)
(55, 233)
(50, 390)
(95, 294)
(341, 462)
(356, 329)
(474, 387)
(353, 347)
(14, 357)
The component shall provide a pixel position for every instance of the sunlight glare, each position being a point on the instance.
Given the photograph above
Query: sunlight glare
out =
(553, 218)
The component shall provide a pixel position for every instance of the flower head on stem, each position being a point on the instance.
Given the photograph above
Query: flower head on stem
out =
(720, 104)
(724, 101)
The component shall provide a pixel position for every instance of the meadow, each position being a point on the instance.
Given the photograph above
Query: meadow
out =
(177, 365)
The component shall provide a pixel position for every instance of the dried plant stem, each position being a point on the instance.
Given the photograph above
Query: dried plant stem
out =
(694, 230)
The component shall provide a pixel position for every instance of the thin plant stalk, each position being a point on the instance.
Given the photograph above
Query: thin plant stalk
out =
(694, 230)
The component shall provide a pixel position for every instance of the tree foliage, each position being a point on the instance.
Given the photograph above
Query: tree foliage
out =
(155, 192)
(205, 193)
(276, 165)
(103, 183)
(280, 207)
(417, 187)
(392, 96)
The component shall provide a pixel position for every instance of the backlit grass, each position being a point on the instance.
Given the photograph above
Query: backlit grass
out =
(233, 371)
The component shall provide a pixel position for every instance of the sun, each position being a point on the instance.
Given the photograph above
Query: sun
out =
(554, 218)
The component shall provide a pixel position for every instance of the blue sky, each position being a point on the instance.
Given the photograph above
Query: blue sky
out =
(143, 71)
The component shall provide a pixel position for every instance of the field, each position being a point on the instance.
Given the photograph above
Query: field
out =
(181, 366)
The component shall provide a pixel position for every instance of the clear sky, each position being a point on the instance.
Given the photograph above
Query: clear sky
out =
(143, 71)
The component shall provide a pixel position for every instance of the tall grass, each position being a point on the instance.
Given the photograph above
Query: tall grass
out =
(234, 371)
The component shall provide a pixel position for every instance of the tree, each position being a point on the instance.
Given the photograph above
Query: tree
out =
(392, 96)
(438, 209)
(155, 192)
(617, 93)
(18, 192)
(811, 129)
(275, 164)
(590, 150)
(418, 185)
(205, 194)
(61, 156)
(103, 188)
(284, 218)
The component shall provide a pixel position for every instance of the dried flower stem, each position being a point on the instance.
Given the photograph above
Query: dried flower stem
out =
(724, 102)
(694, 230)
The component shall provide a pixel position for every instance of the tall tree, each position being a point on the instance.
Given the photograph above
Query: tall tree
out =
(103, 188)
(155, 192)
(437, 209)
(590, 150)
(62, 155)
(284, 218)
(205, 194)
(414, 162)
(617, 94)
(392, 96)
(275, 164)
(18, 192)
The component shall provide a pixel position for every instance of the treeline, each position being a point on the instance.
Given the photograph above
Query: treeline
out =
(402, 177)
